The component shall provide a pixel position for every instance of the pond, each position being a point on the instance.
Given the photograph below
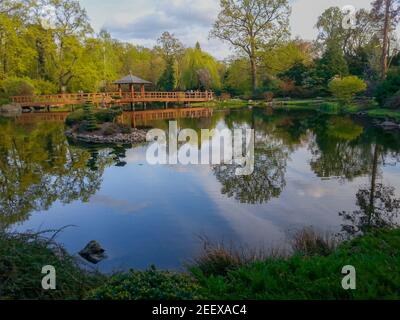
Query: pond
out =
(310, 170)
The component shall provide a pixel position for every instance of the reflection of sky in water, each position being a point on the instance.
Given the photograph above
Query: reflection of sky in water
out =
(146, 215)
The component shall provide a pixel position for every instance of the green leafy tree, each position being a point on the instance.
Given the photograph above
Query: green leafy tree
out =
(332, 64)
(199, 70)
(250, 25)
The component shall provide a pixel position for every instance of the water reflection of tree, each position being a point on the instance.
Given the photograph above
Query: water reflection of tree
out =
(377, 208)
(266, 182)
(40, 167)
(270, 161)
(337, 150)
(377, 204)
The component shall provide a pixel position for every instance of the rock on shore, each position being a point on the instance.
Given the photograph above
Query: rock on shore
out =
(13, 109)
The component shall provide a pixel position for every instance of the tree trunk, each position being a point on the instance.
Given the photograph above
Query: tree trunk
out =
(385, 46)
(253, 74)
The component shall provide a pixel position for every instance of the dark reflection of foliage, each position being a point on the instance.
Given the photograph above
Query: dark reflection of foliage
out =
(337, 150)
(266, 182)
(378, 208)
(270, 161)
(39, 167)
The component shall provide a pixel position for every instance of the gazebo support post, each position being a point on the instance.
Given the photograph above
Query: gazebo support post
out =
(142, 90)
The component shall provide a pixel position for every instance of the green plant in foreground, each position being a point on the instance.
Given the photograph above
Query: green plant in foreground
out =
(91, 122)
(147, 285)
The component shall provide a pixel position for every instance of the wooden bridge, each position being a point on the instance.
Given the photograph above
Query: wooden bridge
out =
(111, 98)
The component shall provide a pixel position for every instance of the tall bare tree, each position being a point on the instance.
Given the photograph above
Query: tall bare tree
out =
(249, 25)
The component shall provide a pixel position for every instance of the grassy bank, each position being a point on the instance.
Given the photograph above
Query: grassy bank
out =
(21, 260)
(314, 273)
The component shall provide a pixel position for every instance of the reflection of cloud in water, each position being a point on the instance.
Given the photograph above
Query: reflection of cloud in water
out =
(117, 204)
(310, 190)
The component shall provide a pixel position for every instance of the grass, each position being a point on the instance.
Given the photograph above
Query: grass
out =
(384, 113)
(22, 257)
(376, 258)
(227, 104)
(312, 271)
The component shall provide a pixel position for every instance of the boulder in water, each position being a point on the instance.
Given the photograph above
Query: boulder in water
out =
(93, 252)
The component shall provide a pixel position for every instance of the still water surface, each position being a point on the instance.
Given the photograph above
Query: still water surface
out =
(308, 169)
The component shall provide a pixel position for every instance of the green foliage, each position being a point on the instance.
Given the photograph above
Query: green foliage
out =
(384, 114)
(332, 63)
(330, 108)
(16, 87)
(346, 88)
(91, 122)
(389, 87)
(343, 128)
(168, 80)
(21, 260)
(199, 70)
(375, 256)
(147, 285)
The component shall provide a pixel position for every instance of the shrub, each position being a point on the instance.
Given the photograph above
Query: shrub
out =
(147, 285)
(309, 242)
(16, 87)
(75, 118)
(393, 102)
(90, 117)
(346, 88)
(389, 87)
(107, 115)
(109, 131)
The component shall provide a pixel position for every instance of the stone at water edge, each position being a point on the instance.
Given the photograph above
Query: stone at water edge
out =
(93, 252)
(389, 124)
(13, 108)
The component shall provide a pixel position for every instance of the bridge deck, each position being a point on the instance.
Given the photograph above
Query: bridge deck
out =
(110, 98)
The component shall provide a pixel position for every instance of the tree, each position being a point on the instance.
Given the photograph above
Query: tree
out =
(386, 14)
(199, 70)
(249, 25)
(345, 88)
(91, 122)
(389, 87)
(171, 49)
(332, 63)
(70, 26)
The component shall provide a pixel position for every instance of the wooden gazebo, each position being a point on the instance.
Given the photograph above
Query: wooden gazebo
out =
(131, 81)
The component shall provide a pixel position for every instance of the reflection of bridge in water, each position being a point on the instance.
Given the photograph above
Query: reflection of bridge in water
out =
(133, 117)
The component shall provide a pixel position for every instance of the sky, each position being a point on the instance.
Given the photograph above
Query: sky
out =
(143, 21)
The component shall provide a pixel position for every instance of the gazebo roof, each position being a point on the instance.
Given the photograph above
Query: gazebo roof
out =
(131, 80)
